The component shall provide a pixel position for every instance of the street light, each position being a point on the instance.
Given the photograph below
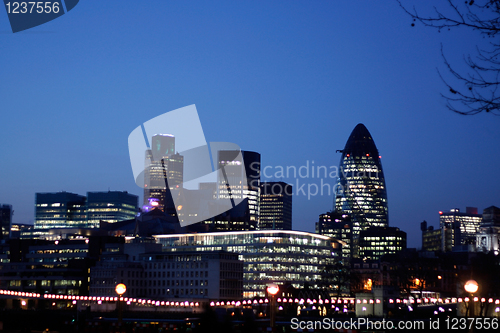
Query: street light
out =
(272, 290)
(471, 287)
(120, 290)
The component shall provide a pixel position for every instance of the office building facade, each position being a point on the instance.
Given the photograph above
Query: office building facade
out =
(70, 210)
(376, 242)
(459, 229)
(211, 275)
(275, 206)
(111, 207)
(432, 239)
(60, 210)
(337, 226)
(269, 256)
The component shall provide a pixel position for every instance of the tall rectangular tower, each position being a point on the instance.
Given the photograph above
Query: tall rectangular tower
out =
(162, 145)
(238, 180)
(275, 206)
(163, 171)
(6, 213)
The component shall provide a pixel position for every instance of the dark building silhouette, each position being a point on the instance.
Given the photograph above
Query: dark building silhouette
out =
(338, 226)
(275, 206)
(6, 213)
(361, 190)
(431, 238)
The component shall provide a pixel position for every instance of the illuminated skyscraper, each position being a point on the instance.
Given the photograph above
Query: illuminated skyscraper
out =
(360, 190)
(162, 145)
(238, 179)
(162, 166)
(275, 206)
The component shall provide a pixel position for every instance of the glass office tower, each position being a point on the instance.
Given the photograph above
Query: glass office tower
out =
(60, 210)
(361, 190)
(275, 206)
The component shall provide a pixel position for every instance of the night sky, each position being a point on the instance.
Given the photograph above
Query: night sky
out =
(287, 79)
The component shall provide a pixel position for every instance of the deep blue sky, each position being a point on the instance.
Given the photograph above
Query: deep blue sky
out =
(288, 79)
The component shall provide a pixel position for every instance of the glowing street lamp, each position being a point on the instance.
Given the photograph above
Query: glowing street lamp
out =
(471, 287)
(272, 290)
(120, 290)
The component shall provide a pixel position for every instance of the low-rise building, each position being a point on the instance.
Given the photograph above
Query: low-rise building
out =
(269, 256)
(149, 273)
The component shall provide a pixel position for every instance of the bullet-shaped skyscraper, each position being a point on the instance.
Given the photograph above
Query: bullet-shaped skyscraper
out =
(361, 190)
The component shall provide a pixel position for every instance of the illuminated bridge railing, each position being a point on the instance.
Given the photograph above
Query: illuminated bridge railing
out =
(98, 299)
(249, 302)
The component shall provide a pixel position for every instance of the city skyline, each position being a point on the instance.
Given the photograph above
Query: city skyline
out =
(289, 81)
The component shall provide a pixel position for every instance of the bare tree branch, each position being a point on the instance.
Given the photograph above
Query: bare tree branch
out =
(477, 90)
